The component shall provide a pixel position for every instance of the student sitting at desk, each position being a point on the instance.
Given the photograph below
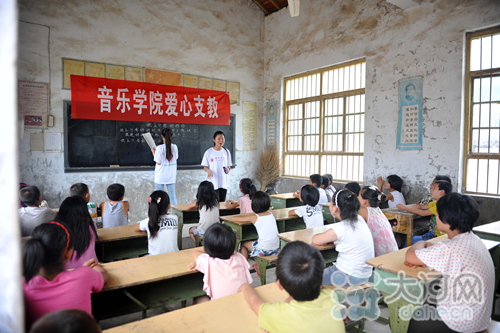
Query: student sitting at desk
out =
(82, 190)
(162, 228)
(394, 184)
(309, 307)
(315, 180)
(32, 215)
(311, 213)
(207, 201)
(74, 212)
(463, 260)
(47, 286)
(245, 202)
(224, 270)
(353, 241)
(438, 189)
(115, 212)
(268, 243)
(383, 237)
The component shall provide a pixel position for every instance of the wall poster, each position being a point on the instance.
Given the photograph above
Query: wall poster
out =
(410, 114)
(271, 120)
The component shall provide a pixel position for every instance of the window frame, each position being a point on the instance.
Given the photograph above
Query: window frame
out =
(469, 103)
(322, 98)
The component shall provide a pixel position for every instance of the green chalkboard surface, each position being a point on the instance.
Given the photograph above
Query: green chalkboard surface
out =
(108, 145)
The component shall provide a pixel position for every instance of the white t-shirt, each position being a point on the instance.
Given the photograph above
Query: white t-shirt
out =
(355, 247)
(207, 218)
(166, 171)
(398, 199)
(215, 160)
(267, 229)
(165, 240)
(463, 261)
(312, 216)
(32, 217)
(323, 199)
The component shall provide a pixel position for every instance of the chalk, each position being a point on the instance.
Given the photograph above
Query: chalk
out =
(114, 166)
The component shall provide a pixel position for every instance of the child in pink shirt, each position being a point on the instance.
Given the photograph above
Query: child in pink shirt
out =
(225, 270)
(47, 286)
(245, 202)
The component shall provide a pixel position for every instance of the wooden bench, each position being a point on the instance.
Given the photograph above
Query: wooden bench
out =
(262, 263)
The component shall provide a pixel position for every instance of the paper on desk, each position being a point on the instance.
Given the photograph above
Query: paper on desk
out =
(149, 140)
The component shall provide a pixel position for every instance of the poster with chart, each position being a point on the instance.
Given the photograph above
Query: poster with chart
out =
(33, 104)
(249, 126)
(410, 114)
(271, 117)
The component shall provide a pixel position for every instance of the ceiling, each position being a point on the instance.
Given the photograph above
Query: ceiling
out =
(271, 6)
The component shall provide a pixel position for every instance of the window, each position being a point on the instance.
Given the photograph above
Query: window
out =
(325, 122)
(482, 150)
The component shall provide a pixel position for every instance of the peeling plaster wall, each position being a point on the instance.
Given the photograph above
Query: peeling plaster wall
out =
(212, 38)
(427, 40)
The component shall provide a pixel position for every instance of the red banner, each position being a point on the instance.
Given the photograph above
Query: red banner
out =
(109, 99)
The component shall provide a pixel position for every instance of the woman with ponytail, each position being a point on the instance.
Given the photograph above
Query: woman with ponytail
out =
(353, 241)
(166, 156)
(380, 227)
(47, 286)
(162, 228)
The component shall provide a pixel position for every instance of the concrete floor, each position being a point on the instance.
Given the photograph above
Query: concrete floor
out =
(370, 326)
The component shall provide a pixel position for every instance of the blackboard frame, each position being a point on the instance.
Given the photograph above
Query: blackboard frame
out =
(230, 143)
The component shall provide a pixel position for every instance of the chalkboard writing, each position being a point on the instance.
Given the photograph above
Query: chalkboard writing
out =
(95, 145)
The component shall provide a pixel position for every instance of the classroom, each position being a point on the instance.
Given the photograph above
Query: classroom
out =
(259, 53)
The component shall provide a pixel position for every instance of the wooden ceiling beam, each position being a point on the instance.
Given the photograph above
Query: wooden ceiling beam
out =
(275, 4)
(257, 2)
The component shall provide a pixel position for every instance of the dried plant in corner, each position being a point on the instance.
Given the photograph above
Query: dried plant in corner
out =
(268, 171)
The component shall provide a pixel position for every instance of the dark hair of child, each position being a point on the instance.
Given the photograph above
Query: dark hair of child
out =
(395, 182)
(458, 210)
(316, 179)
(45, 249)
(260, 202)
(348, 204)
(444, 185)
(29, 195)
(206, 196)
(372, 194)
(219, 241)
(325, 181)
(329, 176)
(66, 321)
(247, 187)
(115, 192)
(79, 189)
(299, 270)
(442, 177)
(310, 195)
(167, 134)
(158, 205)
(74, 213)
(353, 187)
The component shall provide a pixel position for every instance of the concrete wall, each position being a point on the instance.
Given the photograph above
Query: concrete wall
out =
(212, 38)
(427, 40)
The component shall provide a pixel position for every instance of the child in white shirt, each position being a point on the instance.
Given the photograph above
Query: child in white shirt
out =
(311, 213)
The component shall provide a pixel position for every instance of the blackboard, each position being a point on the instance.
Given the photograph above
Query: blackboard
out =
(107, 145)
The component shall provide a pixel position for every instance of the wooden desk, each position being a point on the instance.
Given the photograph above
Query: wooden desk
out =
(284, 200)
(246, 230)
(190, 216)
(142, 283)
(117, 243)
(405, 222)
(327, 250)
(227, 314)
(489, 231)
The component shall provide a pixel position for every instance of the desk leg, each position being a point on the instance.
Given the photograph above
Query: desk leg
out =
(179, 234)
(398, 325)
(238, 230)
